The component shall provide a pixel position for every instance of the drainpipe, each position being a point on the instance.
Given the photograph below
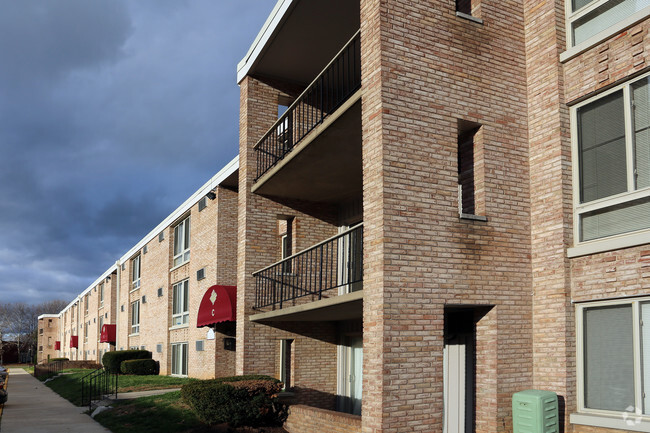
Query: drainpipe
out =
(117, 304)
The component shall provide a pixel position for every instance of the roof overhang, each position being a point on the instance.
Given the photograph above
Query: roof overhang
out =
(219, 304)
(299, 38)
(343, 307)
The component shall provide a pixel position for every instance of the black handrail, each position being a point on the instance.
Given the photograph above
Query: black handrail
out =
(97, 385)
(338, 82)
(54, 367)
(333, 263)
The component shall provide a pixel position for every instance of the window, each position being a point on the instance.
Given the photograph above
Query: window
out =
(588, 18)
(101, 324)
(49, 323)
(464, 6)
(179, 359)
(49, 341)
(285, 227)
(466, 203)
(135, 317)
(285, 363)
(182, 242)
(101, 295)
(135, 273)
(85, 333)
(614, 357)
(180, 303)
(612, 168)
(86, 305)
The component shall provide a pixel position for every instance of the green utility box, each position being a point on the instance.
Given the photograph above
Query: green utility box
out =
(535, 411)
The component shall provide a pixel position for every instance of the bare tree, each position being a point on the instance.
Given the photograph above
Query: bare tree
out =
(20, 321)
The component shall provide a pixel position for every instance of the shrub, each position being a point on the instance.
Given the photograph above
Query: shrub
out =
(238, 400)
(112, 360)
(58, 359)
(140, 367)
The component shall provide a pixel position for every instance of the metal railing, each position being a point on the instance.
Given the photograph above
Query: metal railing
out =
(333, 263)
(54, 367)
(98, 385)
(338, 81)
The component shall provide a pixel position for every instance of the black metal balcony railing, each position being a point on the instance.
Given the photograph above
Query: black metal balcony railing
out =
(338, 81)
(333, 263)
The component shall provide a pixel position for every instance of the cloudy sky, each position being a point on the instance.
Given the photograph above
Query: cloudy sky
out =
(112, 113)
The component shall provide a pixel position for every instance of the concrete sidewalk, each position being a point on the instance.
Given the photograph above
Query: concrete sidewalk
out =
(138, 394)
(32, 407)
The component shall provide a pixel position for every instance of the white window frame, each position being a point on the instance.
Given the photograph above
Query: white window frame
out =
(136, 271)
(606, 418)
(101, 295)
(86, 304)
(182, 242)
(180, 303)
(85, 333)
(286, 350)
(571, 17)
(177, 361)
(101, 325)
(622, 240)
(135, 317)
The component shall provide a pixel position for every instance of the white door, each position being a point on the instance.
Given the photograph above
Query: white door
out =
(350, 375)
(458, 360)
(356, 373)
(350, 256)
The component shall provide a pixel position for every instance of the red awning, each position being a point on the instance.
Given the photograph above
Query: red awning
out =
(57, 345)
(219, 304)
(74, 341)
(108, 334)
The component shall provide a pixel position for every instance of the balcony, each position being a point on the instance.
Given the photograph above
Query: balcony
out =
(313, 151)
(319, 273)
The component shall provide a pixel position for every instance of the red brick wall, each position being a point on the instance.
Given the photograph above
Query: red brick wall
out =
(551, 205)
(305, 419)
(423, 70)
(608, 62)
(259, 246)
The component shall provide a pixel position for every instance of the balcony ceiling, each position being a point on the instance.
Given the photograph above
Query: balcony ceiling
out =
(327, 170)
(306, 37)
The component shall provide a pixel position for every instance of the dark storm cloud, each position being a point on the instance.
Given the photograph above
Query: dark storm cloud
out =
(111, 114)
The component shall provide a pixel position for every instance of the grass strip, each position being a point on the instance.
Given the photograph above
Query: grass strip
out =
(68, 386)
(159, 413)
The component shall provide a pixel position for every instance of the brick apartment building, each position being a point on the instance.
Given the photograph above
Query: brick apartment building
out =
(48, 335)
(439, 204)
(151, 298)
(443, 203)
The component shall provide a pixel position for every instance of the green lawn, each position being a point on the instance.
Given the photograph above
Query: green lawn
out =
(68, 386)
(127, 383)
(160, 413)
